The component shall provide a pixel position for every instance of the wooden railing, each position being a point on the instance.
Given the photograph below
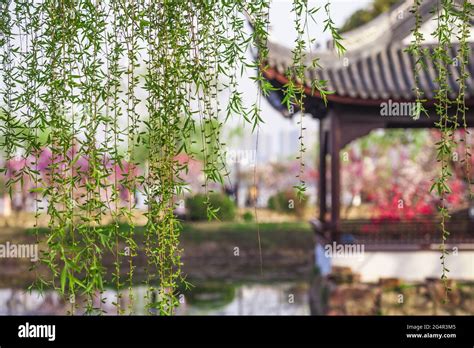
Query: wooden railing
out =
(417, 232)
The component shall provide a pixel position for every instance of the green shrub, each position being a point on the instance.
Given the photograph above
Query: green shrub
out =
(287, 202)
(196, 208)
(247, 216)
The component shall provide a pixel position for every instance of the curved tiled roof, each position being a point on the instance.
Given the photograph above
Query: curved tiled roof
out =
(376, 66)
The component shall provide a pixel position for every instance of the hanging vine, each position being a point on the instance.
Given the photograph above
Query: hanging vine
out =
(419, 54)
(295, 88)
(463, 34)
(447, 124)
(448, 17)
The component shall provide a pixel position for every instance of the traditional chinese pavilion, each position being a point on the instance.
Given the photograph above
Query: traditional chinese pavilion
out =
(375, 70)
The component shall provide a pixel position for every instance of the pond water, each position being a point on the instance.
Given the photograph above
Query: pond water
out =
(275, 298)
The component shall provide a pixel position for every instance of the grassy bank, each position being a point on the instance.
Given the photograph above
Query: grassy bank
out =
(211, 251)
(295, 234)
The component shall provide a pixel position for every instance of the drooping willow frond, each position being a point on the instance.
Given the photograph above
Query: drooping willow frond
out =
(85, 86)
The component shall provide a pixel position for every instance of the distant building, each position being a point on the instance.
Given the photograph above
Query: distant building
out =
(288, 143)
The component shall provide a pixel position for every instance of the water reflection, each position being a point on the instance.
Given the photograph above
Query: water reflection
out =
(282, 298)
(21, 302)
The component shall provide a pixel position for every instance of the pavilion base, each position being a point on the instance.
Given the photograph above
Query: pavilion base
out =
(319, 294)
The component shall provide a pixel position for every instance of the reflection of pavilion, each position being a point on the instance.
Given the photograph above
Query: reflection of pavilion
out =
(373, 85)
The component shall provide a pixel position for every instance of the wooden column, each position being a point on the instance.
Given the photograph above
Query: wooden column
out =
(322, 189)
(335, 138)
